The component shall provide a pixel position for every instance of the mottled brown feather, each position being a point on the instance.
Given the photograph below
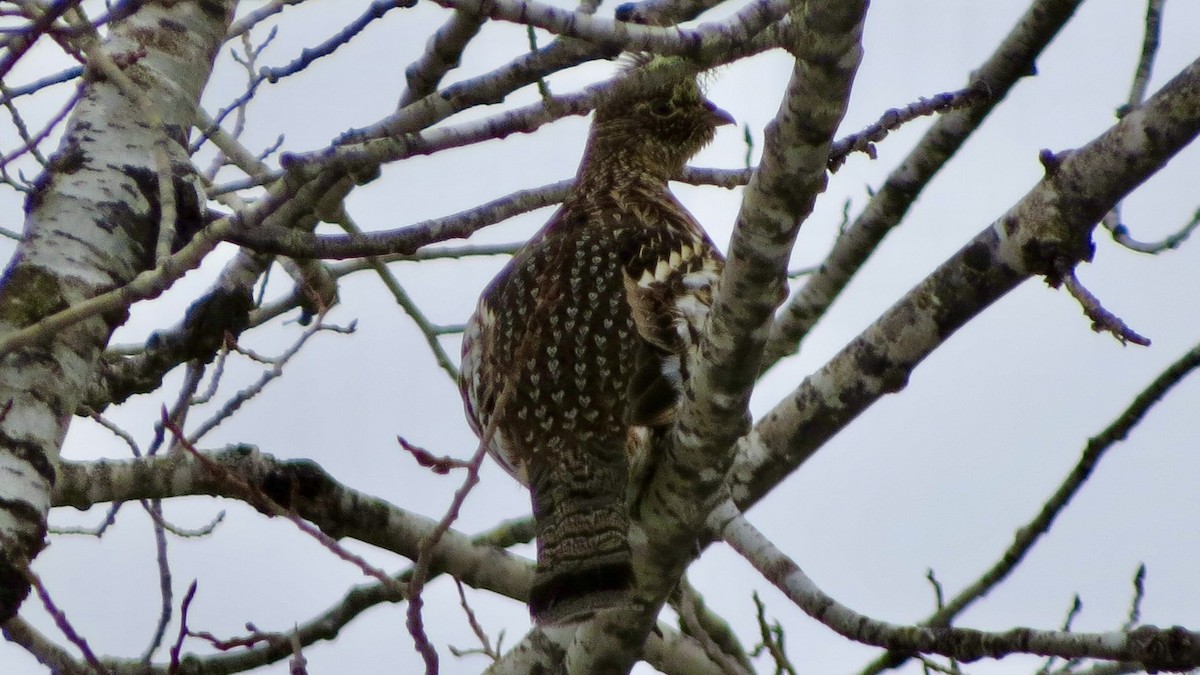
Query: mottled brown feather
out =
(584, 339)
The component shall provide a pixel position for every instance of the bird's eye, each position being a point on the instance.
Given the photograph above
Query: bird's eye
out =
(661, 109)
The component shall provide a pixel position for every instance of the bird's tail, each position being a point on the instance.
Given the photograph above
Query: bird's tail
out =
(582, 521)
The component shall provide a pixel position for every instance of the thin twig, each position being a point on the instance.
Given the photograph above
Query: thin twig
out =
(428, 330)
(259, 499)
(186, 605)
(274, 372)
(893, 119)
(1139, 593)
(1137, 94)
(48, 81)
(1120, 233)
(485, 644)
(19, 44)
(165, 586)
(60, 620)
(420, 571)
(1072, 612)
(110, 517)
(771, 635)
(1145, 65)
(1031, 532)
(1102, 319)
(30, 143)
(439, 465)
(343, 37)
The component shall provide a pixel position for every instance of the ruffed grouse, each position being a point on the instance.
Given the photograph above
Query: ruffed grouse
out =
(578, 349)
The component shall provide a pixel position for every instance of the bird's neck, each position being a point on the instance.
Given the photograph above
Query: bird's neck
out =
(613, 172)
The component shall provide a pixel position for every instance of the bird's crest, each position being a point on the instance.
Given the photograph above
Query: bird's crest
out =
(644, 73)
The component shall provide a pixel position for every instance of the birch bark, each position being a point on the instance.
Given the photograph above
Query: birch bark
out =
(91, 225)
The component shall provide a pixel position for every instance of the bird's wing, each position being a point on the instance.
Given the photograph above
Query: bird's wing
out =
(669, 275)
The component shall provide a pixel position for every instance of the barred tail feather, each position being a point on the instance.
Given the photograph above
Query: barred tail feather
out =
(563, 597)
(582, 522)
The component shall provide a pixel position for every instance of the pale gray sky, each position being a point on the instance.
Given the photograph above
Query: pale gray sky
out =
(938, 476)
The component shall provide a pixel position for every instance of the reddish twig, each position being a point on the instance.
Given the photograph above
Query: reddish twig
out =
(263, 502)
(420, 571)
(256, 636)
(485, 645)
(439, 465)
(60, 620)
(173, 666)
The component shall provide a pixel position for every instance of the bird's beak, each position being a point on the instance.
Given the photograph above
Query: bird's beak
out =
(720, 117)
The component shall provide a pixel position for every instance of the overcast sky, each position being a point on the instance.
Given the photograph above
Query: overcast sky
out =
(937, 477)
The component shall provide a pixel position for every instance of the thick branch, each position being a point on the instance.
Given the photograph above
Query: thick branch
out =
(93, 223)
(1012, 60)
(406, 240)
(707, 38)
(1054, 220)
(306, 489)
(782, 192)
(780, 196)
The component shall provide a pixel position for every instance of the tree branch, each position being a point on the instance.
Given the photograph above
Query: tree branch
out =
(85, 234)
(707, 38)
(1158, 649)
(1031, 532)
(1053, 220)
(1013, 59)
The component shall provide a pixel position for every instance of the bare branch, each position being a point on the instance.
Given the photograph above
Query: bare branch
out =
(258, 15)
(1012, 60)
(375, 11)
(707, 38)
(64, 624)
(406, 240)
(442, 54)
(1145, 65)
(1158, 649)
(1102, 319)
(893, 119)
(1031, 532)
(1120, 233)
(1054, 219)
(36, 86)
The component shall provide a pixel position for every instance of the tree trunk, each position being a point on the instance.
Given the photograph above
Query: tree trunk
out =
(92, 223)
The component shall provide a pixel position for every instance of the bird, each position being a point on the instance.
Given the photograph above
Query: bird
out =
(578, 350)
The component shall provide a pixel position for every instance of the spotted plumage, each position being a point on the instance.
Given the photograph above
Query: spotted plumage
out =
(580, 347)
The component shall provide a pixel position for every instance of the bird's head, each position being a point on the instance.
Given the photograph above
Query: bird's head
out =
(658, 115)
